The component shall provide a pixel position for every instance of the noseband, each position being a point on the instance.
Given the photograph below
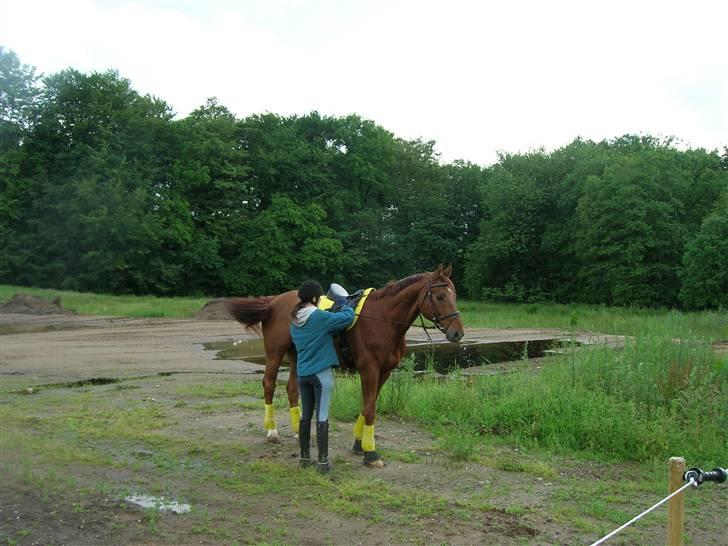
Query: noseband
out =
(437, 320)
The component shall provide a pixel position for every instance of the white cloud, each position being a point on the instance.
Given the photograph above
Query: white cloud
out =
(477, 77)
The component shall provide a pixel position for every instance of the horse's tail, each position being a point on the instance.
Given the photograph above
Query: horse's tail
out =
(250, 311)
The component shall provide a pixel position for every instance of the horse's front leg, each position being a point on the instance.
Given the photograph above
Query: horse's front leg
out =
(364, 428)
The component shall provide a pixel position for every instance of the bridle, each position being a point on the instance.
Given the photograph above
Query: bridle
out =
(436, 320)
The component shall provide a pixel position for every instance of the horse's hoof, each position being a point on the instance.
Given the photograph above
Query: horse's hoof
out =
(375, 464)
(273, 437)
(372, 459)
(356, 448)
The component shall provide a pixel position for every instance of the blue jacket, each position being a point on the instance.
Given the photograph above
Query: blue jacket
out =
(313, 340)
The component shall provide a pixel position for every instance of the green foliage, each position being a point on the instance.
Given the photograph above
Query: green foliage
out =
(500, 261)
(291, 244)
(18, 95)
(397, 391)
(104, 190)
(592, 222)
(630, 235)
(705, 264)
(649, 401)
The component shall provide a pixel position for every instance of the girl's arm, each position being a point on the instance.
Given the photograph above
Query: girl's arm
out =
(339, 320)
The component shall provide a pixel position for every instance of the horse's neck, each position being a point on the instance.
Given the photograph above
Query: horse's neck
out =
(402, 308)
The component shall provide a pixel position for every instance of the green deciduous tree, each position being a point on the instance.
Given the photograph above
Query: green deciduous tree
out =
(285, 244)
(100, 211)
(704, 271)
(19, 94)
(630, 237)
(504, 261)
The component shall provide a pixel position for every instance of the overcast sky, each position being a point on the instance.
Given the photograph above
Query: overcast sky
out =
(477, 77)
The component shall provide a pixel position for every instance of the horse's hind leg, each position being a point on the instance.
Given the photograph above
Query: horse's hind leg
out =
(273, 358)
(292, 389)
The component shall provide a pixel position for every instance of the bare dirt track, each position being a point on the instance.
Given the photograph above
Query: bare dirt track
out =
(51, 348)
(209, 450)
(62, 348)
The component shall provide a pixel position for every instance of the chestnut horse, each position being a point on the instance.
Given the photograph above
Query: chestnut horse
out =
(377, 341)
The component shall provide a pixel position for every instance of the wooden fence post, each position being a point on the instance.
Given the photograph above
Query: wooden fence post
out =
(676, 505)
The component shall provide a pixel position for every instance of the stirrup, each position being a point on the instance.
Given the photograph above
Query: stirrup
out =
(336, 292)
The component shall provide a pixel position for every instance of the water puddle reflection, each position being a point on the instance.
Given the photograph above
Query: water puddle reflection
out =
(158, 503)
(443, 356)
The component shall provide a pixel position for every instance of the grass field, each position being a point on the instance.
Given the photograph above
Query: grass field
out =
(709, 325)
(561, 454)
(70, 455)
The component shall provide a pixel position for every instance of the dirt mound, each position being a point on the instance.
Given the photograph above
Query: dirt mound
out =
(213, 310)
(25, 304)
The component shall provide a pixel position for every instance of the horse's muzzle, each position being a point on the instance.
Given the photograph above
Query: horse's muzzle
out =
(454, 335)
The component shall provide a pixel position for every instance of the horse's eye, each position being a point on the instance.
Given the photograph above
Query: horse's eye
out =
(440, 298)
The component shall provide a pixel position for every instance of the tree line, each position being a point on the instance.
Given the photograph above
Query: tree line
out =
(105, 190)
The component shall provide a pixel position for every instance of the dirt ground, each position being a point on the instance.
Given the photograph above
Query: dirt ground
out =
(54, 348)
(422, 496)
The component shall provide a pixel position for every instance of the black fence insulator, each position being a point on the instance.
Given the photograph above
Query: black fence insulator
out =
(716, 475)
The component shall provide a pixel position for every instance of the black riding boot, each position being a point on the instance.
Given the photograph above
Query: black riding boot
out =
(304, 438)
(322, 438)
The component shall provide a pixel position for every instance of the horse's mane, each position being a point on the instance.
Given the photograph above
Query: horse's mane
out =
(395, 287)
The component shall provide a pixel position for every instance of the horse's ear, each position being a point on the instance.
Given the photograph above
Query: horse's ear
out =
(437, 272)
(447, 271)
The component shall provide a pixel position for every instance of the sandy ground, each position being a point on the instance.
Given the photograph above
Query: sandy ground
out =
(58, 348)
(62, 348)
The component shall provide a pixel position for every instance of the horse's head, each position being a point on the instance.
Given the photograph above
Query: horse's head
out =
(439, 305)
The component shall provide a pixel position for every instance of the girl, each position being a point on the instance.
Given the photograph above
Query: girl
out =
(312, 330)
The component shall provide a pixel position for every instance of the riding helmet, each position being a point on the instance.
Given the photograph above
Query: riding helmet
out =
(309, 290)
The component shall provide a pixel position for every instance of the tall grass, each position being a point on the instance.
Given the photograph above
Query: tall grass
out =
(653, 399)
(597, 318)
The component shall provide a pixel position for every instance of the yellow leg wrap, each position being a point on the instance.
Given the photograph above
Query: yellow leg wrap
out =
(367, 439)
(269, 421)
(359, 428)
(295, 418)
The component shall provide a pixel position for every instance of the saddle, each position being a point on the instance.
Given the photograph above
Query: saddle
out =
(336, 298)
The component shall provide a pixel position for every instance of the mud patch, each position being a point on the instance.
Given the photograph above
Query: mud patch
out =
(25, 304)
(213, 310)
(28, 516)
(500, 523)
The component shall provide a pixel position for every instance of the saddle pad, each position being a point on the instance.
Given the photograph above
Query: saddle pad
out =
(326, 303)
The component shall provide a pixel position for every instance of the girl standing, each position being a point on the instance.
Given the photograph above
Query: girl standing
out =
(312, 330)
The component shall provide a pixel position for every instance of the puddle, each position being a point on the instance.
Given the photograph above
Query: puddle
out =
(147, 501)
(466, 354)
(249, 350)
(445, 355)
